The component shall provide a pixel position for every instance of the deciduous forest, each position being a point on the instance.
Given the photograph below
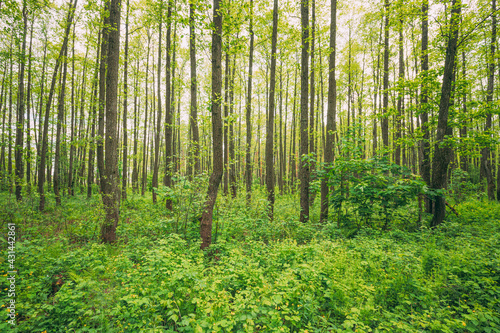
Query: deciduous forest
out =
(249, 166)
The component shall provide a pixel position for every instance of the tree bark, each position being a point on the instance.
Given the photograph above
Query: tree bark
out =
(158, 119)
(111, 192)
(486, 168)
(270, 118)
(125, 109)
(168, 112)
(193, 119)
(248, 157)
(385, 119)
(216, 176)
(331, 112)
(442, 151)
(20, 108)
(304, 135)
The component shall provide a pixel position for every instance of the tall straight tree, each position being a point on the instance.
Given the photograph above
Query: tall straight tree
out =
(20, 107)
(332, 109)
(60, 120)
(194, 151)
(216, 176)
(125, 107)
(304, 135)
(270, 118)
(102, 94)
(45, 136)
(168, 110)
(158, 120)
(248, 115)
(385, 119)
(425, 162)
(442, 153)
(485, 152)
(111, 192)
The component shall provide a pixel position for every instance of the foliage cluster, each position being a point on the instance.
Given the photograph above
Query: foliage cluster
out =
(259, 276)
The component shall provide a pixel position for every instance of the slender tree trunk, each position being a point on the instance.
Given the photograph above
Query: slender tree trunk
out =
(331, 112)
(401, 76)
(225, 183)
(28, 120)
(385, 119)
(486, 168)
(215, 178)
(135, 170)
(44, 142)
(145, 141)
(442, 154)
(102, 95)
(193, 119)
(125, 107)
(248, 157)
(168, 112)
(232, 161)
(425, 163)
(304, 135)
(60, 119)
(270, 118)
(93, 119)
(111, 193)
(158, 120)
(20, 108)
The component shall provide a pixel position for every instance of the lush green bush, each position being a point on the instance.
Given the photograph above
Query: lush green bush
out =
(279, 276)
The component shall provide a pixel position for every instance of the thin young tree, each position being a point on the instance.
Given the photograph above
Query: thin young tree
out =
(216, 176)
(125, 109)
(270, 118)
(304, 135)
(331, 111)
(20, 107)
(194, 151)
(248, 115)
(158, 119)
(44, 141)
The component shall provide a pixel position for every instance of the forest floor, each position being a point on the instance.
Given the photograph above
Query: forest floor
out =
(259, 276)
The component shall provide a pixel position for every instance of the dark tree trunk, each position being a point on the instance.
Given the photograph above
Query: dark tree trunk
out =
(102, 95)
(443, 153)
(111, 192)
(225, 178)
(304, 135)
(28, 120)
(135, 169)
(216, 176)
(331, 112)
(486, 169)
(232, 162)
(400, 106)
(270, 118)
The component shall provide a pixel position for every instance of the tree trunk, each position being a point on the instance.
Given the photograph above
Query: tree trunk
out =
(486, 169)
(270, 118)
(20, 108)
(60, 119)
(425, 163)
(248, 157)
(28, 107)
(331, 112)
(385, 119)
(215, 178)
(168, 112)
(145, 141)
(193, 119)
(442, 153)
(111, 192)
(125, 107)
(44, 142)
(158, 120)
(304, 135)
